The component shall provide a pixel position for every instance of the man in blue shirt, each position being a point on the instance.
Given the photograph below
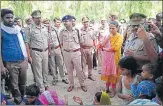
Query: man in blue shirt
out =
(13, 55)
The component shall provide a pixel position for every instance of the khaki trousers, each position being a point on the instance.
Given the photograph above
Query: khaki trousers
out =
(73, 60)
(40, 66)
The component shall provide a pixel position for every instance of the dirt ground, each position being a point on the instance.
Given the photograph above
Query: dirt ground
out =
(92, 86)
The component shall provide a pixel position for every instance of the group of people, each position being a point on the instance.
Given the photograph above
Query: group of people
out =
(129, 60)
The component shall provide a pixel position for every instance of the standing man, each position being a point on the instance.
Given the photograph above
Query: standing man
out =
(87, 46)
(134, 45)
(14, 55)
(37, 41)
(70, 41)
(29, 21)
(56, 57)
(103, 32)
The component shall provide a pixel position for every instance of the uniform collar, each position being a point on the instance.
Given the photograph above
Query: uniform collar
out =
(73, 28)
(86, 29)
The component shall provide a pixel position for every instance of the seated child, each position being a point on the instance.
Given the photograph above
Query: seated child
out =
(146, 86)
(101, 98)
(128, 66)
(48, 97)
(32, 94)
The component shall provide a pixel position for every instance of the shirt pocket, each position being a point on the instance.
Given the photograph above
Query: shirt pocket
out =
(65, 38)
(36, 35)
(75, 37)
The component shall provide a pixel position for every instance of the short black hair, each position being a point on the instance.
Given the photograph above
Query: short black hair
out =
(56, 18)
(151, 68)
(114, 23)
(6, 11)
(159, 90)
(129, 63)
(73, 18)
(98, 96)
(17, 18)
(32, 90)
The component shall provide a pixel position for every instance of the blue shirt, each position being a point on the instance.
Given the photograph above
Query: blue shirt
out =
(11, 50)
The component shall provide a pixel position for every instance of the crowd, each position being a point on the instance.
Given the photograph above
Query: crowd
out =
(129, 58)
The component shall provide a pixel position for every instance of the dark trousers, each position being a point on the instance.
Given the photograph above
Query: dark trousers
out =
(94, 60)
(18, 79)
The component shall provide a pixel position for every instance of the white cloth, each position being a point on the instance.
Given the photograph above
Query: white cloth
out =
(16, 30)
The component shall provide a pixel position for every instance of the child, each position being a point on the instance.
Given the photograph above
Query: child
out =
(128, 66)
(32, 94)
(147, 86)
(101, 98)
(48, 97)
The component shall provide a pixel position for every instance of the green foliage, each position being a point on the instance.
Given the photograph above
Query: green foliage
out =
(93, 9)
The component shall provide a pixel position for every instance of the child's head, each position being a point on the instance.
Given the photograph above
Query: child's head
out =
(128, 66)
(159, 91)
(32, 92)
(148, 71)
(102, 98)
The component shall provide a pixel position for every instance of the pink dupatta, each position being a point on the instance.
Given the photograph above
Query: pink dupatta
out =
(108, 61)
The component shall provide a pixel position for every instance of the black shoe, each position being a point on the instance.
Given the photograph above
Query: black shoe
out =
(54, 82)
(65, 81)
(91, 78)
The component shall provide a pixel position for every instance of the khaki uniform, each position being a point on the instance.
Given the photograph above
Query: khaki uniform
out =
(135, 44)
(72, 54)
(101, 34)
(87, 52)
(56, 59)
(26, 32)
(37, 38)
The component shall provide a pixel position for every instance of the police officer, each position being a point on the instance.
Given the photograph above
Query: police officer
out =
(87, 46)
(56, 57)
(70, 41)
(37, 46)
(102, 32)
(134, 45)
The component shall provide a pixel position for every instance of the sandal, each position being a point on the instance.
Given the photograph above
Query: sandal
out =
(70, 88)
(84, 88)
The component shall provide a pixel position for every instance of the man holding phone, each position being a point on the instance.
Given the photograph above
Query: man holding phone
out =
(134, 46)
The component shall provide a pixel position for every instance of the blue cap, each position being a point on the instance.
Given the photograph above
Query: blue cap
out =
(67, 17)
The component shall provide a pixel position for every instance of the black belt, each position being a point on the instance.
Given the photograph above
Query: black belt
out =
(39, 50)
(72, 50)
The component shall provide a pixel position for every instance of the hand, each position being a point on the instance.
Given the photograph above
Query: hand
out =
(78, 100)
(128, 97)
(4, 71)
(154, 29)
(3, 102)
(142, 34)
(129, 53)
(30, 59)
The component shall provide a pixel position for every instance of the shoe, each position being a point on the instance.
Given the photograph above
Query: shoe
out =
(46, 88)
(99, 72)
(70, 88)
(66, 74)
(84, 88)
(65, 81)
(91, 78)
(54, 82)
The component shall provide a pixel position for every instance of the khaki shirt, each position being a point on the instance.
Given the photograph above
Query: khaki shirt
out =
(53, 37)
(37, 37)
(136, 45)
(70, 41)
(103, 32)
(89, 36)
